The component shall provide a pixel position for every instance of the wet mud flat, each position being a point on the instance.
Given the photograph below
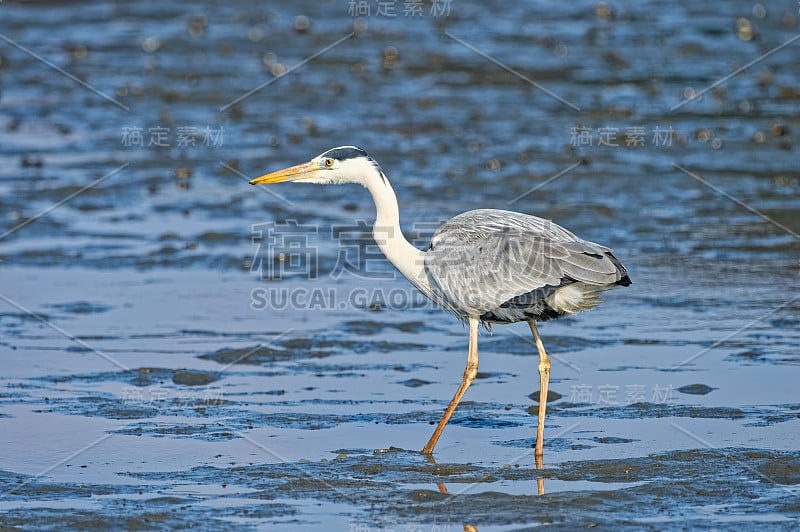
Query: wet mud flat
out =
(164, 366)
(397, 490)
(233, 426)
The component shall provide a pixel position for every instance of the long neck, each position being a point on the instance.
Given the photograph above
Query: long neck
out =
(386, 231)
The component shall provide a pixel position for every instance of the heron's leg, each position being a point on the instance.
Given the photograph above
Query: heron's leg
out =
(544, 381)
(540, 480)
(469, 376)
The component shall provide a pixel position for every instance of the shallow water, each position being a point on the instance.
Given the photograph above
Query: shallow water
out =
(164, 367)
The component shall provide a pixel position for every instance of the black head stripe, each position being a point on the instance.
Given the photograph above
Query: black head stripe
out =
(343, 153)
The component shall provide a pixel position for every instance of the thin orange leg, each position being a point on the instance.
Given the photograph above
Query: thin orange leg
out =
(469, 376)
(540, 480)
(544, 381)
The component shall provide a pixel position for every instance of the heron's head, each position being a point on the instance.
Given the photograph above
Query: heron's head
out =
(345, 164)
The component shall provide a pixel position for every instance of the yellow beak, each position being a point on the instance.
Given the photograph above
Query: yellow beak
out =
(292, 173)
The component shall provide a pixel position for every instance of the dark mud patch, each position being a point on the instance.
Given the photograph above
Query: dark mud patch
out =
(124, 508)
(142, 377)
(81, 307)
(612, 439)
(764, 355)
(206, 415)
(414, 383)
(304, 348)
(229, 423)
(138, 407)
(218, 237)
(684, 488)
(213, 430)
(485, 422)
(523, 345)
(695, 389)
(759, 415)
(551, 396)
(194, 377)
(781, 470)
(372, 327)
(574, 443)
(258, 355)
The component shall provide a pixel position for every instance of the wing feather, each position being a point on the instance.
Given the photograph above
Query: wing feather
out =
(483, 259)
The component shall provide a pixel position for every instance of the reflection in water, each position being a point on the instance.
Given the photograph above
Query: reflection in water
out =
(442, 487)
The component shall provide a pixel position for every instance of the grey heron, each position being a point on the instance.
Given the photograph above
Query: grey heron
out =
(485, 266)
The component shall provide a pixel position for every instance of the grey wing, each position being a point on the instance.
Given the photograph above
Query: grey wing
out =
(484, 259)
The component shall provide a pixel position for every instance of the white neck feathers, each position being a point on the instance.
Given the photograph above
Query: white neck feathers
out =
(388, 235)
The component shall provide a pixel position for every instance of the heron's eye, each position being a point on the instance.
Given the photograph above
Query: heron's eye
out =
(328, 163)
